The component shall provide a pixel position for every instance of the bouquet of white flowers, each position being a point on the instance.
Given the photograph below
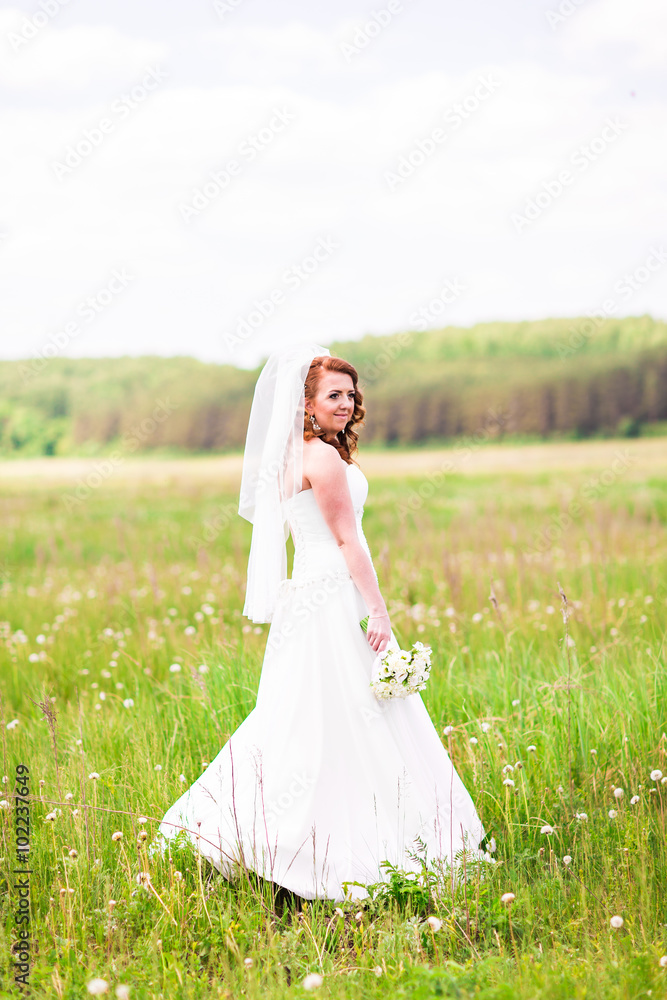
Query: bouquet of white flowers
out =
(399, 672)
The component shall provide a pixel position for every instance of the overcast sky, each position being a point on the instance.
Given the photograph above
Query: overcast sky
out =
(220, 177)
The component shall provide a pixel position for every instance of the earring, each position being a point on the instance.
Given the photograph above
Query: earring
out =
(316, 426)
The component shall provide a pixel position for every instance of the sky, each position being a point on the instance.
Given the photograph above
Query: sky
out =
(219, 178)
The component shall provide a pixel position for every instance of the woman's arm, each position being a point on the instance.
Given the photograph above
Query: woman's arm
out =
(328, 477)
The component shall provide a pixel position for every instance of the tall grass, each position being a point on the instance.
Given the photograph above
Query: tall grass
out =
(117, 596)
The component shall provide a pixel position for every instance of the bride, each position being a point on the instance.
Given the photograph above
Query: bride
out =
(322, 782)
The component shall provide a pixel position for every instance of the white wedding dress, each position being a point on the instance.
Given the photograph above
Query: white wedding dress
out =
(322, 782)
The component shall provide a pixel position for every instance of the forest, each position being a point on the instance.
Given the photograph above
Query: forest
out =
(555, 378)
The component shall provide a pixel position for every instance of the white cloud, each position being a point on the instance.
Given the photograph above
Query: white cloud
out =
(633, 34)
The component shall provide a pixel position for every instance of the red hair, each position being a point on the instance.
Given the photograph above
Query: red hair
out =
(345, 441)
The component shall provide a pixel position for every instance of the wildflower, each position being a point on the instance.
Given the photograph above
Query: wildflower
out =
(509, 782)
(182, 778)
(117, 835)
(434, 923)
(111, 904)
(247, 962)
(634, 800)
(175, 668)
(74, 853)
(485, 727)
(518, 765)
(612, 814)
(123, 992)
(68, 796)
(477, 617)
(616, 922)
(581, 816)
(143, 878)
(142, 836)
(50, 817)
(473, 740)
(507, 767)
(547, 828)
(531, 748)
(12, 724)
(128, 703)
(142, 820)
(507, 897)
(93, 775)
(178, 876)
(158, 767)
(339, 912)
(378, 970)
(312, 981)
(447, 730)
(594, 753)
(656, 775)
(516, 702)
(492, 845)
(203, 668)
(663, 780)
(359, 916)
(567, 859)
(619, 793)
(663, 962)
(96, 986)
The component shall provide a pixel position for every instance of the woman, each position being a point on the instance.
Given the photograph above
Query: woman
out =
(322, 782)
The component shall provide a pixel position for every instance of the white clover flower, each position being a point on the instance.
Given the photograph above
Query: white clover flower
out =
(477, 617)
(619, 793)
(312, 981)
(515, 702)
(634, 800)
(656, 775)
(485, 727)
(128, 703)
(612, 814)
(509, 782)
(547, 828)
(617, 922)
(247, 962)
(97, 986)
(158, 767)
(378, 970)
(473, 740)
(175, 668)
(567, 859)
(447, 730)
(434, 923)
(507, 897)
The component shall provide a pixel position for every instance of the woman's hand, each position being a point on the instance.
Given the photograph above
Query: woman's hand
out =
(378, 632)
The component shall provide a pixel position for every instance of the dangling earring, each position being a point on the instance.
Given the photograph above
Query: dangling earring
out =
(316, 426)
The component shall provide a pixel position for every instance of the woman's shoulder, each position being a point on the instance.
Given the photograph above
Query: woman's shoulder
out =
(319, 454)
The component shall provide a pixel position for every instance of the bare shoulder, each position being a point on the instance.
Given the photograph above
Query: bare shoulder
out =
(320, 460)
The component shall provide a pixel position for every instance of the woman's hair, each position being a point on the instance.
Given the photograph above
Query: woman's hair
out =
(345, 441)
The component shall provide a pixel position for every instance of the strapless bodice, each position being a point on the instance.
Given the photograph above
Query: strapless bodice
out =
(316, 552)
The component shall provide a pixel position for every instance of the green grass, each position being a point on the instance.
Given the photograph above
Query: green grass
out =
(119, 595)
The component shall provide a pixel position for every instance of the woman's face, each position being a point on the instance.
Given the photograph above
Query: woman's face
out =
(333, 404)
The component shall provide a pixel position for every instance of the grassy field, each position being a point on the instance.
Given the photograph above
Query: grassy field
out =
(109, 578)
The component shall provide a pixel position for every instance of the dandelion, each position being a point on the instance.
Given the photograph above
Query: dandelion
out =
(547, 828)
(619, 793)
(518, 765)
(594, 753)
(175, 668)
(182, 778)
(473, 740)
(485, 726)
(117, 835)
(663, 962)
(477, 617)
(247, 962)
(507, 898)
(531, 748)
(74, 853)
(359, 916)
(97, 986)
(656, 775)
(509, 782)
(515, 702)
(142, 836)
(378, 970)
(339, 912)
(111, 904)
(93, 776)
(13, 724)
(634, 800)
(178, 876)
(312, 981)
(507, 767)
(612, 814)
(616, 922)
(663, 780)
(158, 767)
(123, 992)
(142, 820)
(50, 817)
(448, 730)
(128, 703)
(581, 816)
(567, 859)
(434, 923)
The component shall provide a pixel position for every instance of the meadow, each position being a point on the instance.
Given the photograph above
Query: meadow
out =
(536, 573)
